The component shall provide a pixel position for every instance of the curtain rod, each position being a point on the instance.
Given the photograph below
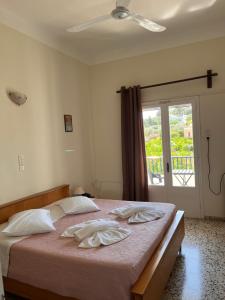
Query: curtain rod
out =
(209, 77)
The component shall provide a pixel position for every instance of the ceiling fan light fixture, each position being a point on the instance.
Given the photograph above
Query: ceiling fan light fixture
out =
(120, 13)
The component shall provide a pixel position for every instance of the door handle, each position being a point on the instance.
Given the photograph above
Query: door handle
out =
(167, 167)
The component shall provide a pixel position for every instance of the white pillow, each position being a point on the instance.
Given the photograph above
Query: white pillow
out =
(29, 222)
(78, 205)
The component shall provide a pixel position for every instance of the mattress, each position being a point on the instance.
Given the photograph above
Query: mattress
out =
(56, 264)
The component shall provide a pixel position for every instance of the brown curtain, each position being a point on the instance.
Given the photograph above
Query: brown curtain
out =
(135, 178)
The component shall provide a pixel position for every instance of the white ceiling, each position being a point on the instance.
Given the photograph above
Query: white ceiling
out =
(187, 21)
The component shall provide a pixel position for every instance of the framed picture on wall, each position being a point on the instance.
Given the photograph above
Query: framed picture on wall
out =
(68, 123)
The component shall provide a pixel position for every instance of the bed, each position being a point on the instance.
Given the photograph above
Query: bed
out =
(150, 282)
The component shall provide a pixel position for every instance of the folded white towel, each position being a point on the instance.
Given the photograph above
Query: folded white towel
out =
(138, 213)
(85, 229)
(98, 232)
(105, 237)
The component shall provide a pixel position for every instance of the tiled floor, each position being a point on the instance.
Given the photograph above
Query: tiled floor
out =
(199, 274)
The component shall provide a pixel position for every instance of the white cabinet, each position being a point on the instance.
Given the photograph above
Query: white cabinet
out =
(1, 285)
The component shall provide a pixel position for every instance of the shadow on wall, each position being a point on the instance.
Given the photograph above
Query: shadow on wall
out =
(108, 189)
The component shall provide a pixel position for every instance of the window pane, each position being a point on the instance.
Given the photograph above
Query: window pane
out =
(182, 146)
(153, 145)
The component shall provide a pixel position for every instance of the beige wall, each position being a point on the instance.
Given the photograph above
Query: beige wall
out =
(161, 66)
(55, 85)
(58, 85)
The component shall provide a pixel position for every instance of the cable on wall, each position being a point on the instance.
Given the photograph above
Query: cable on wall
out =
(209, 172)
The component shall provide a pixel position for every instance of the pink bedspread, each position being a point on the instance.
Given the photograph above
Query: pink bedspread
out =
(106, 273)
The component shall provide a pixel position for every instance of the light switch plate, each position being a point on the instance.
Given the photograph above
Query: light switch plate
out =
(21, 162)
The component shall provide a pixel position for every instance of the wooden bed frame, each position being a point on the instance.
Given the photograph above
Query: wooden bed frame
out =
(153, 279)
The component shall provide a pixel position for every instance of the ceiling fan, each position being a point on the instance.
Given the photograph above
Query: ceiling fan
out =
(121, 12)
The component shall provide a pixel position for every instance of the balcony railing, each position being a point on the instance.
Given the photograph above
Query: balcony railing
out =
(182, 168)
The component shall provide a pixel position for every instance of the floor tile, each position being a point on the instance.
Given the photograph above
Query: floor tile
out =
(199, 272)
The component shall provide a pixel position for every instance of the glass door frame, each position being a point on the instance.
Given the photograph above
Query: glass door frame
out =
(164, 106)
(196, 139)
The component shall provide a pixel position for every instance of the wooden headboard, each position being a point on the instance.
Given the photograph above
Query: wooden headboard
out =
(33, 201)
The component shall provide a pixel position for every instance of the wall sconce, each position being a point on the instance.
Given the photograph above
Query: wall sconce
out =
(16, 97)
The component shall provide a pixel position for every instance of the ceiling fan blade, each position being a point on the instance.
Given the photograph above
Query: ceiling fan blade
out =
(122, 3)
(88, 24)
(146, 23)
